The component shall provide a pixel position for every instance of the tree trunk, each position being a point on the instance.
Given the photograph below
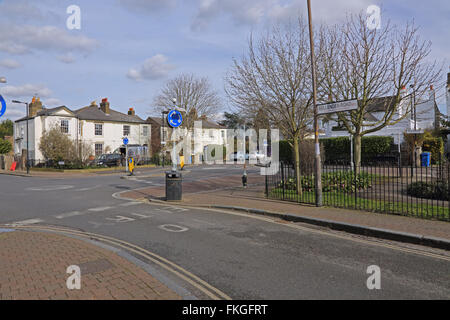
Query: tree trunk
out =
(297, 166)
(357, 152)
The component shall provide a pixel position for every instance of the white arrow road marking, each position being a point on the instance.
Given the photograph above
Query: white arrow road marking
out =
(173, 228)
(88, 188)
(121, 219)
(100, 209)
(50, 188)
(176, 208)
(127, 204)
(142, 216)
(69, 214)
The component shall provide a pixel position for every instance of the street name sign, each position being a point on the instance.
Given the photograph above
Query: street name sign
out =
(339, 106)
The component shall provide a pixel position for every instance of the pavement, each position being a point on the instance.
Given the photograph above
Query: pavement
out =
(228, 193)
(33, 265)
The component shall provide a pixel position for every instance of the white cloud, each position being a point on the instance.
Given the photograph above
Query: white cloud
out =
(147, 6)
(251, 12)
(14, 114)
(26, 90)
(21, 39)
(26, 10)
(66, 58)
(52, 102)
(10, 64)
(241, 12)
(153, 68)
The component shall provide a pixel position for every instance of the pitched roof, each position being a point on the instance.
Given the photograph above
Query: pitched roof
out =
(208, 124)
(381, 104)
(46, 112)
(93, 112)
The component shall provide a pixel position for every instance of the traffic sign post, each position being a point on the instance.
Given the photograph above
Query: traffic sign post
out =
(125, 142)
(174, 119)
(2, 106)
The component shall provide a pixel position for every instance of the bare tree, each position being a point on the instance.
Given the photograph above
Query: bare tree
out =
(274, 78)
(363, 64)
(195, 95)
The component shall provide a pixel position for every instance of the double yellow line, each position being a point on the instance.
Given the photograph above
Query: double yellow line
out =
(183, 274)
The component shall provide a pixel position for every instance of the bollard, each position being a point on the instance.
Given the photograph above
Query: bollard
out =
(244, 180)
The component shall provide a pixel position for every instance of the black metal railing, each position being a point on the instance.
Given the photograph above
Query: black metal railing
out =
(403, 190)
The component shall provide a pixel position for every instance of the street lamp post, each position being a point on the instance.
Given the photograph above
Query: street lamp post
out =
(28, 151)
(163, 140)
(318, 168)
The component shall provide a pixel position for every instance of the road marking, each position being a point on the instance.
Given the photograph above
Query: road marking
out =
(100, 209)
(173, 228)
(87, 189)
(119, 219)
(69, 214)
(127, 204)
(176, 208)
(142, 216)
(26, 222)
(50, 188)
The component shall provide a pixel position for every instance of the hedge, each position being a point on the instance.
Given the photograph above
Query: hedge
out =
(429, 190)
(338, 149)
(435, 145)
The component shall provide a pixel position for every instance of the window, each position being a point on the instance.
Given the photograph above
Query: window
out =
(98, 129)
(79, 129)
(126, 130)
(145, 131)
(211, 134)
(65, 126)
(98, 149)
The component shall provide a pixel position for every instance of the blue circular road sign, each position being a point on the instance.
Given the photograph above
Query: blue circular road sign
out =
(3, 106)
(125, 141)
(175, 119)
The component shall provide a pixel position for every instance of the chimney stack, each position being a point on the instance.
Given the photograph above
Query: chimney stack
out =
(104, 106)
(432, 93)
(131, 112)
(34, 107)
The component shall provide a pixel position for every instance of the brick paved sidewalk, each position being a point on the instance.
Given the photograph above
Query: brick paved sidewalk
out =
(33, 266)
(253, 197)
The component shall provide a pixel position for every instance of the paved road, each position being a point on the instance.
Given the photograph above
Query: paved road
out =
(247, 257)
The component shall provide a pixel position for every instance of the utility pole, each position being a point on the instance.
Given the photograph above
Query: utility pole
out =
(318, 168)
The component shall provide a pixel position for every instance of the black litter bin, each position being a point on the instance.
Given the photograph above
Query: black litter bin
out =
(173, 186)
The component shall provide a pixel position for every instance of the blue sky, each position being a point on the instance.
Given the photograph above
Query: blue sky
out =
(127, 49)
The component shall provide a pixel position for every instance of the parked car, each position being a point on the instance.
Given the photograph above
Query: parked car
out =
(108, 160)
(238, 156)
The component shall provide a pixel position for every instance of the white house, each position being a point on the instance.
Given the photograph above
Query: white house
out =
(101, 127)
(425, 115)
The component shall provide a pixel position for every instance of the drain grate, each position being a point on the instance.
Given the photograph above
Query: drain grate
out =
(95, 266)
